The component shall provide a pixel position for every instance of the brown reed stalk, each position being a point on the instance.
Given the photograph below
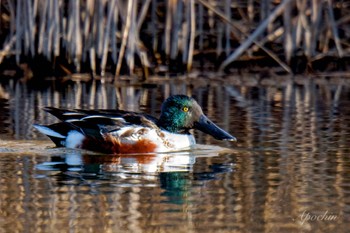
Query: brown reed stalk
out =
(114, 31)
(192, 35)
(19, 30)
(140, 48)
(200, 27)
(124, 38)
(143, 14)
(44, 19)
(154, 24)
(220, 35)
(50, 28)
(314, 27)
(77, 35)
(88, 31)
(56, 30)
(333, 27)
(168, 25)
(7, 48)
(227, 10)
(273, 36)
(176, 28)
(99, 26)
(30, 31)
(250, 10)
(288, 32)
(11, 7)
(186, 32)
(107, 37)
(131, 44)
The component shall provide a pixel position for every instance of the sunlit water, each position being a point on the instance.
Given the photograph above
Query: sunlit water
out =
(288, 172)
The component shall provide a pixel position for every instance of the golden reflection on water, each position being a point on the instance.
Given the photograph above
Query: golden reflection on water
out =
(289, 171)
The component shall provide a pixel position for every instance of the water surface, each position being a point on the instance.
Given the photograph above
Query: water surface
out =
(288, 172)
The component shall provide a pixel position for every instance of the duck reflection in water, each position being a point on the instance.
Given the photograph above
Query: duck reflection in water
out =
(173, 172)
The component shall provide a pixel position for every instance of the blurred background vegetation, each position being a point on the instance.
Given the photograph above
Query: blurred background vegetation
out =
(60, 37)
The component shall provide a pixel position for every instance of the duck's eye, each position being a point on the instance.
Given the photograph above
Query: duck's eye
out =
(185, 109)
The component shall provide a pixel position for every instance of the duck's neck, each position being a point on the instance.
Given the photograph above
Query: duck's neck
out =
(170, 125)
(167, 125)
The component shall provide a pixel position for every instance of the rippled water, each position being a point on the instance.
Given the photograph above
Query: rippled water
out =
(288, 172)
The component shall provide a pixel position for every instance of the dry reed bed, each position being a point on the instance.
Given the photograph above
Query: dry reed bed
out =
(154, 33)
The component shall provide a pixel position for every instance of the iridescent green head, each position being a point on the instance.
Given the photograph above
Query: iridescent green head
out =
(181, 113)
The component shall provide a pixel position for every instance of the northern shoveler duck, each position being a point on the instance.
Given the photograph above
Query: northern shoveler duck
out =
(120, 132)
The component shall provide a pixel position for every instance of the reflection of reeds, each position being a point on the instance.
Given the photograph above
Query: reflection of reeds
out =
(135, 33)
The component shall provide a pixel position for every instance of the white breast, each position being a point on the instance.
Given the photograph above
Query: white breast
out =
(166, 141)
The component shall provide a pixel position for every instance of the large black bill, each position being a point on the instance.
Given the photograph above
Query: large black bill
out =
(207, 126)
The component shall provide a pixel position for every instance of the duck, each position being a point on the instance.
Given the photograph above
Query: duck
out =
(125, 132)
